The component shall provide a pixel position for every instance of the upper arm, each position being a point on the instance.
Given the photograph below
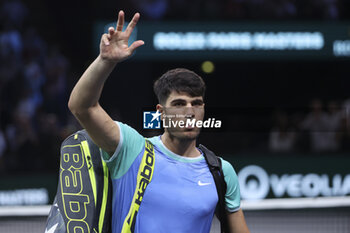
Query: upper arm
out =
(232, 196)
(101, 128)
(237, 223)
(236, 220)
(130, 145)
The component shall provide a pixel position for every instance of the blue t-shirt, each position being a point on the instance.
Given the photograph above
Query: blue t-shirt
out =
(181, 196)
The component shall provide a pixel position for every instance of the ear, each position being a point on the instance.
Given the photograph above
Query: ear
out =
(160, 109)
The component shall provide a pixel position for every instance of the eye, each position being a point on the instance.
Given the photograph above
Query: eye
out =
(179, 104)
(197, 103)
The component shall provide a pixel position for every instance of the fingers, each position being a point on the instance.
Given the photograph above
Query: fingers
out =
(105, 39)
(135, 45)
(132, 24)
(110, 32)
(120, 21)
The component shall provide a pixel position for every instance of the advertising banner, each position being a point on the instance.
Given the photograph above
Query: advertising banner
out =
(190, 41)
(292, 176)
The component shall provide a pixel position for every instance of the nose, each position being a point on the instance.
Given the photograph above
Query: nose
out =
(190, 113)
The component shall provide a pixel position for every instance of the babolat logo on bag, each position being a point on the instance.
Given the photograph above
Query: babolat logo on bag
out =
(83, 199)
(77, 195)
(151, 120)
(144, 177)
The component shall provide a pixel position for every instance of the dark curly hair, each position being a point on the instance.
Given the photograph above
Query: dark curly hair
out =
(179, 80)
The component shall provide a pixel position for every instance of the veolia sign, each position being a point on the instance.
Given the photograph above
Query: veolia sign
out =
(257, 183)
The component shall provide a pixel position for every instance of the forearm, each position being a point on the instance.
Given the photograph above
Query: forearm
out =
(237, 223)
(87, 91)
(84, 98)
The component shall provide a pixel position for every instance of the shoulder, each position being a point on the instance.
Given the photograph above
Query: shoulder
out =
(130, 145)
(230, 175)
(129, 137)
(126, 129)
(227, 167)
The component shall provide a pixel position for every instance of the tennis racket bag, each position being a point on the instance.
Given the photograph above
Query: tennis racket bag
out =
(84, 193)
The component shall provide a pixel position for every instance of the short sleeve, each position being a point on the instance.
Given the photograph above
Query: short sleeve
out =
(131, 143)
(232, 197)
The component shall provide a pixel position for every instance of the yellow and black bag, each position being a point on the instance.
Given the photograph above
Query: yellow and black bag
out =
(84, 194)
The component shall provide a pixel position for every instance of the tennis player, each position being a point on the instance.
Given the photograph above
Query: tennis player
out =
(181, 195)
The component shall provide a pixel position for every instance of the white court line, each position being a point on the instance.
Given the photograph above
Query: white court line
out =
(296, 203)
(249, 205)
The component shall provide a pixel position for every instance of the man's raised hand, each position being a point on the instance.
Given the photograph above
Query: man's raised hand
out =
(114, 44)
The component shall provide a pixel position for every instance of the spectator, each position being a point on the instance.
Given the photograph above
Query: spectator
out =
(3, 145)
(24, 143)
(334, 124)
(13, 12)
(55, 89)
(282, 136)
(152, 9)
(48, 129)
(317, 125)
(34, 47)
(345, 126)
(10, 43)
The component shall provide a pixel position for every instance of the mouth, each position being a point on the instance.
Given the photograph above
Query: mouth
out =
(189, 127)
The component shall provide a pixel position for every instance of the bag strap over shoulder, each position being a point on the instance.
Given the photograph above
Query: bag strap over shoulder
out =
(215, 167)
(144, 177)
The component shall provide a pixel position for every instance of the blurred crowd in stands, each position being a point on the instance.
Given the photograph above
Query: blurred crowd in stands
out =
(325, 128)
(33, 95)
(34, 118)
(241, 9)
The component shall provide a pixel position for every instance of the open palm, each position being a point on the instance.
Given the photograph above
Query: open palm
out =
(114, 44)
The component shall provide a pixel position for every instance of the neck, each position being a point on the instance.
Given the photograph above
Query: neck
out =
(186, 148)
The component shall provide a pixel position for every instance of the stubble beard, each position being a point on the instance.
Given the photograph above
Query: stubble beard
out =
(183, 135)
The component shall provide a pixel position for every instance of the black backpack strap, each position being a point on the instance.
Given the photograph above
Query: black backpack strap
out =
(215, 167)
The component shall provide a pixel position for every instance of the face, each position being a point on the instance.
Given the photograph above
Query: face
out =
(178, 114)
